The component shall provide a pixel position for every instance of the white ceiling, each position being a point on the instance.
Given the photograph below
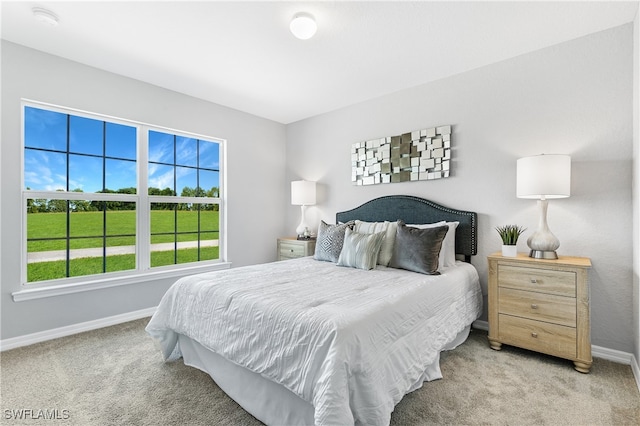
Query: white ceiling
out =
(242, 55)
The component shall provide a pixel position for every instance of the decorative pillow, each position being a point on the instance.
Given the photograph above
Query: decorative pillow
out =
(360, 250)
(448, 251)
(417, 249)
(389, 228)
(329, 241)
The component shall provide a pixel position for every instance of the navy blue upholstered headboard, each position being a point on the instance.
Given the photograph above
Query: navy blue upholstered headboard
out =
(416, 210)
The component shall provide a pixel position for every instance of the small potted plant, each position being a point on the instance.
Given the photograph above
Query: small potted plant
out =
(509, 235)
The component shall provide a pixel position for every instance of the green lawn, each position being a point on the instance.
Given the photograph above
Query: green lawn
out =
(91, 224)
(93, 265)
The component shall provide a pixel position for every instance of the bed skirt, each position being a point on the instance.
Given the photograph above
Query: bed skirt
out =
(266, 400)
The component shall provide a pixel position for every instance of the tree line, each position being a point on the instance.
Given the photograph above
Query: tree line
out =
(40, 205)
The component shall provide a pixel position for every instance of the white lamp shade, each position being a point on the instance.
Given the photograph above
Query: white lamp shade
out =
(303, 193)
(544, 176)
(303, 26)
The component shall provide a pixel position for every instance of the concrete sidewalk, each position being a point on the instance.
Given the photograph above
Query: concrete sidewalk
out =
(51, 256)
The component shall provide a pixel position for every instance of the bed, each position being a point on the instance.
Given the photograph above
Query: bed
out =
(306, 341)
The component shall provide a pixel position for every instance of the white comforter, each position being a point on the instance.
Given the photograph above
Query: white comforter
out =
(351, 342)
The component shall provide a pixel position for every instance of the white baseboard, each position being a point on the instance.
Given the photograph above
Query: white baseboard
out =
(636, 370)
(611, 355)
(619, 357)
(480, 325)
(30, 339)
(596, 351)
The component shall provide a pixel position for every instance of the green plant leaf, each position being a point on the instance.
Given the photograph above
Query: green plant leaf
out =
(510, 234)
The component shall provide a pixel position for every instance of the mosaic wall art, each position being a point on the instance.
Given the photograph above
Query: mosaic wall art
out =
(419, 155)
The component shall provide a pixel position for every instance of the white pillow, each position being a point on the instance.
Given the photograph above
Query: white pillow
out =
(389, 228)
(447, 256)
(360, 250)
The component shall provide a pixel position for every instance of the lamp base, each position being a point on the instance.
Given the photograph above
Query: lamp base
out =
(543, 254)
(543, 243)
(302, 229)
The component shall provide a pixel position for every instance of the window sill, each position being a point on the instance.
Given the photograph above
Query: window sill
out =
(78, 287)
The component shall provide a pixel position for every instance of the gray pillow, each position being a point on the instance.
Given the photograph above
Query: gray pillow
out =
(417, 250)
(329, 241)
(360, 250)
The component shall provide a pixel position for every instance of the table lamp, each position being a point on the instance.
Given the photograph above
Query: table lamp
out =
(303, 194)
(543, 177)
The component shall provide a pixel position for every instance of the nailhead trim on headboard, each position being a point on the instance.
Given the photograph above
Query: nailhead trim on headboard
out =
(416, 210)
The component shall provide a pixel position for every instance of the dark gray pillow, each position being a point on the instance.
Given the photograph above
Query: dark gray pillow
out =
(330, 240)
(417, 249)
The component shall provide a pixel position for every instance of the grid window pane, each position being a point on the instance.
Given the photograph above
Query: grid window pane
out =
(90, 247)
(45, 231)
(188, 222)
(121, 224)
(86, 224)
(83, 146)
(186, 151)
(163, 258)
(79, 240)
(45, 129)
(209, 155)
(121, 176)
(188, 249)
(189, 233)
(163, 234)
(186, 182)
(161, 149)
(85, 266)
(209, 218)
(119, 258)
(42, 271)
(120, 141)
(85, 173)
(209, 232)
(193, 165)
(45, 170)
(163, 218)
(86, 135)
(161, 180)
(209, 252)
(210, 183)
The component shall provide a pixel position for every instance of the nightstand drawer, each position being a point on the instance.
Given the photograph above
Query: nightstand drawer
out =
(288, 250)
(292, 248)
(537, 279)
(538, 336)
(538, 306)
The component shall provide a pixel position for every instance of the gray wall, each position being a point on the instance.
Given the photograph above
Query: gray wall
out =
(256, 173)
(574, 98)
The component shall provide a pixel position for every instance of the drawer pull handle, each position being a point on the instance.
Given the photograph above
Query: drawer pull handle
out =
(534, 281)
(291, 250)
(534, 335)
(534, 306)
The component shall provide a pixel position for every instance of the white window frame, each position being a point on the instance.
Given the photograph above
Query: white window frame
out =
(143, 271)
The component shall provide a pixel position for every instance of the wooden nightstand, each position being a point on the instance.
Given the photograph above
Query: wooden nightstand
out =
(292, 248)
(541, 305)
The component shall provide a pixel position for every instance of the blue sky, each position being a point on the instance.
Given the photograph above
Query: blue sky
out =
(46, 170)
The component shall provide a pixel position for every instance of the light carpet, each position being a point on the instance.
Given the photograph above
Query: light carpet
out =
(115, 376)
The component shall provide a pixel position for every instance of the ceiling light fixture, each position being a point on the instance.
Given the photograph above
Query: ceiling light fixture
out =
(45, 16)
(303, 26)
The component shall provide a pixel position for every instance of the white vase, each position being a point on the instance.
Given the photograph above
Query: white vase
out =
(509, 251)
